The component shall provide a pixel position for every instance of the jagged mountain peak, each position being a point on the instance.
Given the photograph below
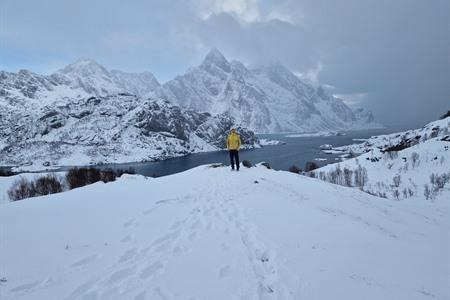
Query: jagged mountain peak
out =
(83, 65)
(216, 58)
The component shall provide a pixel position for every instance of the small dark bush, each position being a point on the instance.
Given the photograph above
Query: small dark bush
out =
(348, 174)
(294, 169)
(108, 175)
(266, 164)
(310, 165)
(397, 180)
(247, 163)
(5, 173)
(78, 177)
(49, 184)
(21, 189)
(311, 174)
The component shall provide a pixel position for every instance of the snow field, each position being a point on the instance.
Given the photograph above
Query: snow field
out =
(209, 233)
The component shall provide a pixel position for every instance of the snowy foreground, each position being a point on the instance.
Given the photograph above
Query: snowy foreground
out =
(209, 233)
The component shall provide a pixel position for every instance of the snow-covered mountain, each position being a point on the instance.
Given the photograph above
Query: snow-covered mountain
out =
(109, 129)
(209, 233)
(404, 165)
(84, 114)
(80, 79)
(266, 99)
(89, 76)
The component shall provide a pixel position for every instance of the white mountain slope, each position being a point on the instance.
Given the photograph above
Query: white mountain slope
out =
(267, 99)
(209, 233)
(404, 165)
(85, 114)
(82, 78)
(92, 78)
(110, 129)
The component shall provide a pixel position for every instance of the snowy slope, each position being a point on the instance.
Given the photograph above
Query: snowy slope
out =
(209, 233)
(439, 129)
(266, 99)
(399, 165)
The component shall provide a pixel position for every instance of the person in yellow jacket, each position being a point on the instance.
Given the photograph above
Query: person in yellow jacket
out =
(233, 145)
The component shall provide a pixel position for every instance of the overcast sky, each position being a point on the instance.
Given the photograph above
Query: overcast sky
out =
(391, 55)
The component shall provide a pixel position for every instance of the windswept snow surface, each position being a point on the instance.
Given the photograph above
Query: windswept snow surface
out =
(209, 233)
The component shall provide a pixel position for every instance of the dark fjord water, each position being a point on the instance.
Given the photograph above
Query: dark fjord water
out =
(296, 151)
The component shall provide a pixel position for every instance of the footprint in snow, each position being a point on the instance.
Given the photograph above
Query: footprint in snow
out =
(129, 223)
(121, 275)
(126, 239)
(151, 269)
(127, 255)
(224, 272)
(25, 287)
(85, 260)
(148, 211)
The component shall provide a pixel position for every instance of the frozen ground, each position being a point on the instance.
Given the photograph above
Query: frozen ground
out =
(209, 233)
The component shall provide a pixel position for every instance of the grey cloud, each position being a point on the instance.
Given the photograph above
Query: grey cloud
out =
(394, 52)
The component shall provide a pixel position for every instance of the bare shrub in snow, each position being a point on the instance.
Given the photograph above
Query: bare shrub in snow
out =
(108, 175)
(339, 175)
(392, 154)
(78, 177)
(382, 195)
(348, 174)
(44, 185)
(310, 165)
(332, 176)
(322, 176)
(5, 173)
(405, 193)
(438, 181)
(21, 188)
(49, 184)
(294, 169)
(397, 180)
(360, 177)
(415, 159)
(311, 174)
(396, 194)
(427, 192)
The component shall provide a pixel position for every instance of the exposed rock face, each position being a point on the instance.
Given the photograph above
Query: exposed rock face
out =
(115, 128)
(267, 99)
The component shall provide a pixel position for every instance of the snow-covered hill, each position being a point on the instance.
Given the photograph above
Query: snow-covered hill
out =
(109, 129)
(209, 233)
(410, 164)
(265, 99)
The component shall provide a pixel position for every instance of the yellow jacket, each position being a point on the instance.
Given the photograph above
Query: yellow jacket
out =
(233, 141)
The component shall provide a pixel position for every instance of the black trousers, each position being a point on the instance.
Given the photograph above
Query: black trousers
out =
(234, 158)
